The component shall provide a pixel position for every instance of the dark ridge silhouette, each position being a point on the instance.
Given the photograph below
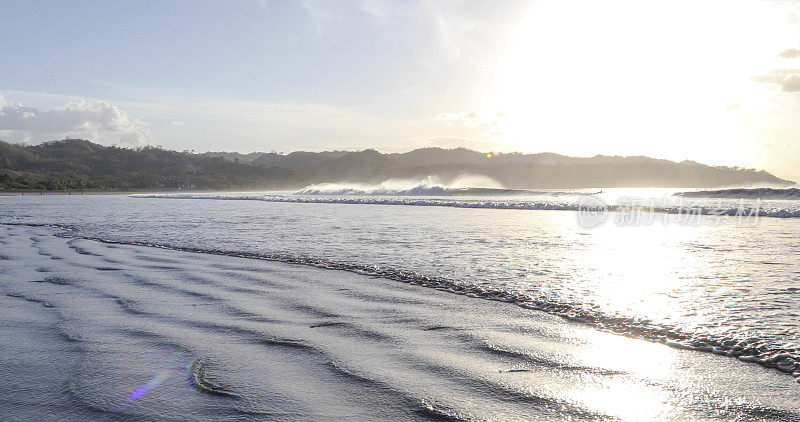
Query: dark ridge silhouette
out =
(79, 164)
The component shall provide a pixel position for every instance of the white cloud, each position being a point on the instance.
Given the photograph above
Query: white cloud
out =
(787, 79)
(790, 53)
(321, 13)
(230, 124)
(94, 120)
(792, 84)
(472, 119)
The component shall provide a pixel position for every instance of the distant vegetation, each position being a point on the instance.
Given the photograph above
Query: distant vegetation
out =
(75, 164)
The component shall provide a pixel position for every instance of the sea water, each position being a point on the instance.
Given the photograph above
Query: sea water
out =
(724, 280)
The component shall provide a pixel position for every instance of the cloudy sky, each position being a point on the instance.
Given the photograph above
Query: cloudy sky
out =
(711, 81)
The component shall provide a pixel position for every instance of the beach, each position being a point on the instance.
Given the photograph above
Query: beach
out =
(377, 210)
(104, 331)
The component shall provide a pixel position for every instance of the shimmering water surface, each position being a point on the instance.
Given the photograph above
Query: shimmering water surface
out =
(720, 284)
(92, 330)
(145, 327)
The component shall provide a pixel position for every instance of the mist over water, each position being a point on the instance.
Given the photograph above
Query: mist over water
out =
(466, 193)
(429, 185)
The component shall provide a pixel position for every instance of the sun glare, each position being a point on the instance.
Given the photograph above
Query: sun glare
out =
(629, 78)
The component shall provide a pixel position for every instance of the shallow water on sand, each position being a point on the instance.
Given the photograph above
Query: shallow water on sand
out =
(101, 331)
(718, 284)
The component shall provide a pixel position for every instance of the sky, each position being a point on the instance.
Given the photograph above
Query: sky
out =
(716, 82)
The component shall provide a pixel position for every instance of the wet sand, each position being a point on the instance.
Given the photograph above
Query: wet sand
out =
(104, 331)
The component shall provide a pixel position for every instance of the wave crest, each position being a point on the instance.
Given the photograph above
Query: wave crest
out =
(747, 193)
(427, 186)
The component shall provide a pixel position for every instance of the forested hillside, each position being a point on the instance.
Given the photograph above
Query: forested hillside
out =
(79, 164)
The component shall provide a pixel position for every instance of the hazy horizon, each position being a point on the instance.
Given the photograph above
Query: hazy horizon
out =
(494, 153)
(574, 78)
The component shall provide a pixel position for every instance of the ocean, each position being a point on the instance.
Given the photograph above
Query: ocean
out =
(714, 272)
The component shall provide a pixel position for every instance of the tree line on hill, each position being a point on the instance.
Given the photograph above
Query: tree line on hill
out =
(75, 164)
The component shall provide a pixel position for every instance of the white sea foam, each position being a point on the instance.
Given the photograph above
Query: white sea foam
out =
(218, 336)
(427, 186)
(754, 193)
(536, 260)
(480, 198)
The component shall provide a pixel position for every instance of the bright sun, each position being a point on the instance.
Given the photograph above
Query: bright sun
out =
(671, 80)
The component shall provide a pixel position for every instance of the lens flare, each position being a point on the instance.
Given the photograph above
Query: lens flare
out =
(178, 360)
(139, 392)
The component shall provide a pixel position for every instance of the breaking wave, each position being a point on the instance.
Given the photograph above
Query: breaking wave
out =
(465, 185)
(428, 186)
(562, 201)
(738, 193)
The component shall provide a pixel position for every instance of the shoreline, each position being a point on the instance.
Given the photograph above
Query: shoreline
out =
(672, 339)
(317, 332)
(124, 192)
(677, 340)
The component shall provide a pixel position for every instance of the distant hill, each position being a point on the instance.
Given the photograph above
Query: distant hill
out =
(79, 164)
